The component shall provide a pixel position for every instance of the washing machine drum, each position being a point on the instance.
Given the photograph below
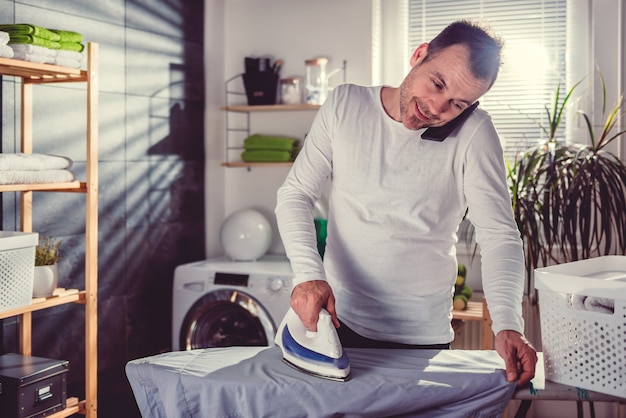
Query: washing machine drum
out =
(225, 318)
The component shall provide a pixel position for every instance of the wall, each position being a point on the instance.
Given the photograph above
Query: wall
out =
(151, 202)
(292, 31)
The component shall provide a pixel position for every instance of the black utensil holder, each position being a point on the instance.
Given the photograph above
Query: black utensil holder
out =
(261, 87)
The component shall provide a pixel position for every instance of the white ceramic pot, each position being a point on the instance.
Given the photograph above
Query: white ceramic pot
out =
(46, 280)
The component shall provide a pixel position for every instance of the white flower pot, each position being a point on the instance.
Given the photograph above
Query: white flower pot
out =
(46, 280)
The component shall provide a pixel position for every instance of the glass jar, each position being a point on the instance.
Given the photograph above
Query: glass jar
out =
(316, 81)
(291, 90)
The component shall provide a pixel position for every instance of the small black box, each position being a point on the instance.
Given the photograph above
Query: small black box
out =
(32, 387)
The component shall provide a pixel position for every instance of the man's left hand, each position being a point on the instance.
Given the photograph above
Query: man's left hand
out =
(520, 357)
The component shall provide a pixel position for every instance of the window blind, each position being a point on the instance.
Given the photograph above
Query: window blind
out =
(533, 58)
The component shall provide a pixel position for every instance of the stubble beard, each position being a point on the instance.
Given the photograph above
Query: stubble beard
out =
(409, 120)
(407, 113)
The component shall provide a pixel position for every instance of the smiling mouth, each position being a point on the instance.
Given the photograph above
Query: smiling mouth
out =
(421, 115)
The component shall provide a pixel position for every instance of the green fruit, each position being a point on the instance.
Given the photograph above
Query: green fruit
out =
(461, 270)
(467, 292)
(460, 302)
(460, 281)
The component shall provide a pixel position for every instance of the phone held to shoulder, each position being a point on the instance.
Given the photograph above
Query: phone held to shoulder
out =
(439, 133)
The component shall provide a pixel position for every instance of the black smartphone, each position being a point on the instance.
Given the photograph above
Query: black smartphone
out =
(439, 133)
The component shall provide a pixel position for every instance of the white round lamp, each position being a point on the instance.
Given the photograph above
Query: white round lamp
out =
(246, 235)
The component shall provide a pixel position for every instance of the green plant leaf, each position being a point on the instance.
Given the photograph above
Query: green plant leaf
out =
(47, 251)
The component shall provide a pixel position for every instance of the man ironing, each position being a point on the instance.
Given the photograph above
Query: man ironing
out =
(396, 200)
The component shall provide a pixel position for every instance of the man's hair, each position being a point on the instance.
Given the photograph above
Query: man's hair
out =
(484, 47)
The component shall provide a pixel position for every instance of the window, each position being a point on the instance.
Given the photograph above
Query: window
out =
(534, 55)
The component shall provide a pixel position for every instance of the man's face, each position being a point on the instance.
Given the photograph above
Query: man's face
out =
(438, 90)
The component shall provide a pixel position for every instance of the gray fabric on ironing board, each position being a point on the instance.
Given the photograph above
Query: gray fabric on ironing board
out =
(254, 382)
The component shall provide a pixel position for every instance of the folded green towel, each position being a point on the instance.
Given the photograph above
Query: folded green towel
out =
(71, 46)
(68, 36)
(269, 142)
(266, 156)
(34, 40)
(28, 29)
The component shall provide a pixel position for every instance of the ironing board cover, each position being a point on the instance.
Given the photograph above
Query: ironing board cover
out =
(254, 382)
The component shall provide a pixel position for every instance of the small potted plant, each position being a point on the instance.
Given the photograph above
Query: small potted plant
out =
(46, 270)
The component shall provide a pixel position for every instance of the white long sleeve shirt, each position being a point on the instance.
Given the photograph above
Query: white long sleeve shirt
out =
(395, 204)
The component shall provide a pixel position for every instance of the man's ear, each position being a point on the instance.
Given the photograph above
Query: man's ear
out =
(419, 54)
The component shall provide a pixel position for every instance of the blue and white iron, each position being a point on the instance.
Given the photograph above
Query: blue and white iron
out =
(316, 353)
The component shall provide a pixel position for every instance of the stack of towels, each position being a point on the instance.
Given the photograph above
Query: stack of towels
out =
(45, 46)
(263, 148)
(21, 168)
(5, 50)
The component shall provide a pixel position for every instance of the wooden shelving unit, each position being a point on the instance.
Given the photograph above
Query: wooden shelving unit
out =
(269, 108)
(32, 74)
(245, 130)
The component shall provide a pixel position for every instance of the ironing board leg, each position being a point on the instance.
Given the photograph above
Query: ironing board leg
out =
(523, 408)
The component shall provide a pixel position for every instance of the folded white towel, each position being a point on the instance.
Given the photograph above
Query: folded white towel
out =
(73, 55)
(67, 62)
(22, 161)
(4, 37)
(33, 49)
(36, 176)
(40, 59)
(6, 51)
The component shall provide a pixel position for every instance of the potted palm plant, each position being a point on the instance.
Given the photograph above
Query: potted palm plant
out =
(569, 199)
(46, 269)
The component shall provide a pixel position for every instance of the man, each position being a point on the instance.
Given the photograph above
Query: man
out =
(396, 200)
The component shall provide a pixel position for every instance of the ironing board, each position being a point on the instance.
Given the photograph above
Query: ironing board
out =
(254, 382)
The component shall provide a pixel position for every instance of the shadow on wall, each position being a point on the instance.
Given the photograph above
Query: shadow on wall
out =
(151, 203)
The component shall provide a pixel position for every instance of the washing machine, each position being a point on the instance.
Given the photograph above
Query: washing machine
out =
(220, 303)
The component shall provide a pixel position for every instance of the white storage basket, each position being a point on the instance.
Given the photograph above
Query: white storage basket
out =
(583, 339)
(17, 268)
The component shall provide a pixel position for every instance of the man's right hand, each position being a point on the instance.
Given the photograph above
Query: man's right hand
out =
(308, 298)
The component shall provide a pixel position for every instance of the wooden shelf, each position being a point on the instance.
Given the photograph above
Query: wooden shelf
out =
(72, 406)
(32, 72)
(60, 297)
(74, 186)
(252, 109)
(244, 164)
(269, 108)
(478, 311)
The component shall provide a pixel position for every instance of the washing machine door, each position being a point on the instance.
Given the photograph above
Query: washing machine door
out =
(225, 318)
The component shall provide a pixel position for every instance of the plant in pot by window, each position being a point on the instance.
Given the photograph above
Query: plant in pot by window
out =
(46, 269)
(569, 199)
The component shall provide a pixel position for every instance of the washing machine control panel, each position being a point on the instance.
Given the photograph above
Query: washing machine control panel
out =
(276, 285)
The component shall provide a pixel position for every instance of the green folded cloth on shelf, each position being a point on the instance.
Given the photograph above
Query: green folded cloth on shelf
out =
(28, 29)
(71, 46)
(34, 40)
(68, 36)
(266, 156)
(270, 142)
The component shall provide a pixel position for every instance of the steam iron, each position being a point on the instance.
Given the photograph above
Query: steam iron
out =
(315, 353)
